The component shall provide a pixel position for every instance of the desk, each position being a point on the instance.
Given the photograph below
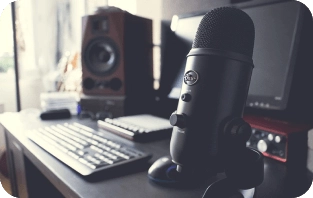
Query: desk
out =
(35, 173)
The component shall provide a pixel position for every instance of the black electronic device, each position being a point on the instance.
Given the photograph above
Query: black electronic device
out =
(209, 134)
(214, 89)
(160, 170)
(143, 127)
(55, 114)
(84, 149)
(282, 78)
(111, 106)
(101, 107)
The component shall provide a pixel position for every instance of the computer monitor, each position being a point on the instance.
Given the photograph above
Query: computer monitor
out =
(283, 69)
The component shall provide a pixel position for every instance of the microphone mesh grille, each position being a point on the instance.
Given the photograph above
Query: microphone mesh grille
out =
(228, 29)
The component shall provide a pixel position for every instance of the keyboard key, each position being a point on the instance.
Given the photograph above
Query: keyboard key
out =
(104, 147)
(91, 141)
(121, 154)
(113, 144)
(109, 155)
(82, 160)
(62, 148)
(81, 131)
(129, 152)
(84, 127)
(92, 159)
(96, 149)
(81, 153)
(102, 164)
(108, 120)
(73, 155)
(100, 139)
(66, 145)
(97, 155)
(106, 160)
(73, 127)
(91, 166)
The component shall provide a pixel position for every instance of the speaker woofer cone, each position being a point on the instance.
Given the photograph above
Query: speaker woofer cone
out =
(101, 56)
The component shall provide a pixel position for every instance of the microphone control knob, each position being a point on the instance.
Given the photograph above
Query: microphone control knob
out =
(186, 97)
(239, 129)
(279, 139)
(178, 120)
(264, 145)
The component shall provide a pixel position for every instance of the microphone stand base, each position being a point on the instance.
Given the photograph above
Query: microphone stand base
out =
(225, 189)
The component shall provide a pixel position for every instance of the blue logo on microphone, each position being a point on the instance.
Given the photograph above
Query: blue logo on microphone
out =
(191, 77)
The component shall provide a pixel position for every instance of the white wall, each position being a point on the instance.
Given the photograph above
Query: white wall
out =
(153, 10)
(46, 31)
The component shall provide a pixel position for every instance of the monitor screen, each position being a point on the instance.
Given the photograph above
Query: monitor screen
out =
(275, 31)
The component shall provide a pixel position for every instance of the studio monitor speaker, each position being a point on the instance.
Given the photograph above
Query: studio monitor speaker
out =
(116, 54)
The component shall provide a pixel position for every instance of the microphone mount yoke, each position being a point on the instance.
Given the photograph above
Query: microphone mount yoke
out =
(244, 167)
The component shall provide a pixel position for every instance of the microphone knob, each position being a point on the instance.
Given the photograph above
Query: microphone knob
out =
(178, 120)
(244, 131)
(264, 145)
(239, 129)
(279, 139)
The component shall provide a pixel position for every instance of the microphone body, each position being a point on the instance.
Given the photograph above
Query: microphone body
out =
(208, 124)
(214, 91)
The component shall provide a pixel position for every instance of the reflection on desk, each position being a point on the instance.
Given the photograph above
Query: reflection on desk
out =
(35, 173)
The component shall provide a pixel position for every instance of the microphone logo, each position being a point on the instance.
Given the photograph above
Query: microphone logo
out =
(191, 77)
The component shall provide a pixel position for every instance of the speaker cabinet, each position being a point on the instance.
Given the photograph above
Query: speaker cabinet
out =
(117, 54)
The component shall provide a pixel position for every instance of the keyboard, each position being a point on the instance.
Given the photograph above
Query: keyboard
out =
(138, 127)
(84, 149)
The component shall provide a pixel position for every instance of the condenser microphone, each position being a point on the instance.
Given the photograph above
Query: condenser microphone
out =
(208, 125)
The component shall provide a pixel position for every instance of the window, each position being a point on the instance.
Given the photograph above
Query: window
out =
(7, 76)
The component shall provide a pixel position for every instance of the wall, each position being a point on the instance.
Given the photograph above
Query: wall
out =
(178, 7)
(36, 37)
(46, 31)
(152, 10)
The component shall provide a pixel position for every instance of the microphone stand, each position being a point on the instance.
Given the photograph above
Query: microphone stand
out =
(244, 167)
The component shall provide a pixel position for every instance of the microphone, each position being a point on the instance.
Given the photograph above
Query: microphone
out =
(208, 126)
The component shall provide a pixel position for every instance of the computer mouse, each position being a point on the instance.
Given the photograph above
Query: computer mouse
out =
(163, 171)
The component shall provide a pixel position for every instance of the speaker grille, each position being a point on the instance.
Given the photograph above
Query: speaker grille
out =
(101, 56)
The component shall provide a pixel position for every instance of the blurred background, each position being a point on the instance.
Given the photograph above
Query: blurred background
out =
(48, 44)
(49, 36)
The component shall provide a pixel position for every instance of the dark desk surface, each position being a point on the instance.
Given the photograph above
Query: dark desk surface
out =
(278, 179)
